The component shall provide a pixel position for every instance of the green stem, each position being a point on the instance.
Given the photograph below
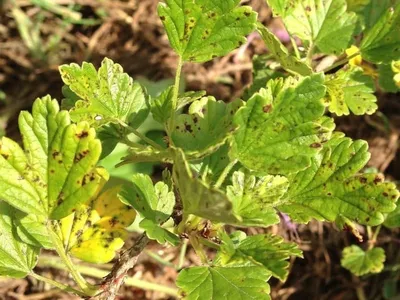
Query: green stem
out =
(341, 62)
(141, 136)
(59, 247)
(182, 254)
(225, 173)
(175, 95)
(374, 237)
(159, 259)
(360, 293)
(209, 244)
(61, 286)
(295, 48)
(50, 261)
(310, 53)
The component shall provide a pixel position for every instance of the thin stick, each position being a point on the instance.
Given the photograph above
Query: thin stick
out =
(59, 285)
(175, 95)
(225, 173)
(140, 135)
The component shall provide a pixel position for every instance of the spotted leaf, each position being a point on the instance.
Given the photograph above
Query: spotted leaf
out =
(94, 232)
(360, 262)
(56, 171)
(331, 187)
(200, 30)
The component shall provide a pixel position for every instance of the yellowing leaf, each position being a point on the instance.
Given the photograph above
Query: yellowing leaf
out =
(97, 230)
(356, 60)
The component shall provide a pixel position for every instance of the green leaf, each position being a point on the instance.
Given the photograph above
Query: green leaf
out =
(381, 44)
(234, 282)
(200, 30)
(265, 250)
(350, 90)
(107, 95)
(357, 5)
(324, 24)
(281, 54)
(206, 127)
(282, 127)
(374, 11)
(109, 135)
(57, 172)
(387, 78)
(393, 219)
(254, 199)
(198, 198)
(329, 189)
(94, 232)
(360, 262)
(155, 203)
(147, 154)
(17, 259)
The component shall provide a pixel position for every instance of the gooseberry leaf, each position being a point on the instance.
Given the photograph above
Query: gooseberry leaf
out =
(254, 199)
(350, 90)
(324, 24)
(360, 262)
(233, 282)
(281, 54)
(17, 259)
(199, 30)
(56, 172)
(155, 203)
(197, 197)
(206, 127)
(266, 250)
(330, 187)
(107, 95)
(381, 44)
(94, 232)
(374, 10)
(282, 127)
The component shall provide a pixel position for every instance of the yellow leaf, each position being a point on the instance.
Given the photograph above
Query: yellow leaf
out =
(94, 232)
(356, 60)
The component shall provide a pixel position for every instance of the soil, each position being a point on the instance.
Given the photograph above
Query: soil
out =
(132, 35)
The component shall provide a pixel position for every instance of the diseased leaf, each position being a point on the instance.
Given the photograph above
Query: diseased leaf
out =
(206, 127)
(17, 259)
(155, 204)
(107, 95)
(94, 232)
(282, 127)
(266, 250)
(281, 54)
(254, 199)
(350, 90)
(323, 23)
(198, 198)
(200, 30)
(234, 282)
(360, 262)
(57, 172)
(381, 44)
(329, 187)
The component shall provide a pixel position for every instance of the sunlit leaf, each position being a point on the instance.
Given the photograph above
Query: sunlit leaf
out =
(200, 30)
(56, 172)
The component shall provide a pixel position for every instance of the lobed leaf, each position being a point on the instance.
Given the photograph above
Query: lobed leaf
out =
(325, 24)
(282, 127)
(330, 187)
(350, 90)
(56, 172)
(94, 232)
(107, 95)
(155, 203)
(17, 259)
(266, 250)
(199, 30)
(393, 218)
(206, 127)
(381, 44)
(254, 199)
(233, 282)
(360, 262)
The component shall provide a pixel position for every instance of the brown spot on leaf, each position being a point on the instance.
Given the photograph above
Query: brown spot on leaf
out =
(363, 180)
(267, 108)
(316, 145)
(82, 134)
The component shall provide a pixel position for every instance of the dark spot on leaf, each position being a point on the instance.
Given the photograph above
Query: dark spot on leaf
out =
(267, 108)
(188, 128)
(162, 18)
(363, 180)
(385, 194)
(315, 145)
(378, 179)
(82, 134)
(6, 156)
(247, 14)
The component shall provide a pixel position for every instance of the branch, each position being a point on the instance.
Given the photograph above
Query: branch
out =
(113, 281)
